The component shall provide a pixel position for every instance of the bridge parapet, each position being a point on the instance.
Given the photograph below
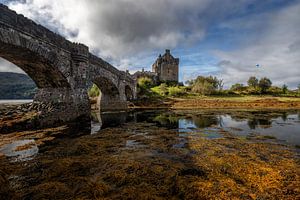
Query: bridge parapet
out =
(62, 70)
(11, 19)
(94, 60)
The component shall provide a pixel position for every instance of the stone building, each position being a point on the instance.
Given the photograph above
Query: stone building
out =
(166, 67)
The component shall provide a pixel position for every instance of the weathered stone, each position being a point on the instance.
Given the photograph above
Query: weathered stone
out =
(62, 70)
(166, 67)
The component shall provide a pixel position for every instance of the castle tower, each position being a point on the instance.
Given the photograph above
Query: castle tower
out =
(166, 67)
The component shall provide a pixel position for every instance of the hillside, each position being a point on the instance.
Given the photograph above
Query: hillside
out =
(16, 86)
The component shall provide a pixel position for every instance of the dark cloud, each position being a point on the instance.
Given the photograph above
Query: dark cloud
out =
(127, 32)
(124, 28)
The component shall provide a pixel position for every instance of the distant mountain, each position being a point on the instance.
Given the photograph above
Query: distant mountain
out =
(16, 86)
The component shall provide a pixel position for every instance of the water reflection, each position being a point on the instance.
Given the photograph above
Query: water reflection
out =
(20, 150)
(110, 119)
(283, 125)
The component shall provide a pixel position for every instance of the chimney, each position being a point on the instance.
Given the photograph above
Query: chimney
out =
(167, 51)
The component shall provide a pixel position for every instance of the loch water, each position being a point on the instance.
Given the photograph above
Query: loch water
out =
(281, 125)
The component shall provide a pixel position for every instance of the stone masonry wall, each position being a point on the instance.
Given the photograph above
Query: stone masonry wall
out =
(61, 69)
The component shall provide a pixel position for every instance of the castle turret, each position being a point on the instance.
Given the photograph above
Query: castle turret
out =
(166, 67)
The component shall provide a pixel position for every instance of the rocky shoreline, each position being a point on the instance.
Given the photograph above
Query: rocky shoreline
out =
(15, 117)
(21, 117)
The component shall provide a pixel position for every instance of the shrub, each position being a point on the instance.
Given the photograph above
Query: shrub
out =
(163, 89)
(284, 89)
(264, 84)
(238, 87)
(145, 83)
(176, 91)
(94, 91)
(206, 85)
(252, 82)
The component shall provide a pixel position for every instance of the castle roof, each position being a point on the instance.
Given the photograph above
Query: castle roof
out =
(167, 57)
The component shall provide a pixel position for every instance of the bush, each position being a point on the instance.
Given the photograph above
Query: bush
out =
(94, 91)
(252, 82)
(284, 89)
(145, 83)
(176, 91)
(161, 90)
(238, 87)
(206, 85)
(264, 84)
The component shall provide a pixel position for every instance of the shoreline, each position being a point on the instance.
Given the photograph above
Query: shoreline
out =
(206, 103)
(260, 103)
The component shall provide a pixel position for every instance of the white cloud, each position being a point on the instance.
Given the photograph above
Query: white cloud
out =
(117, 30)
(130, 33)
(276, 49)
(6, 66)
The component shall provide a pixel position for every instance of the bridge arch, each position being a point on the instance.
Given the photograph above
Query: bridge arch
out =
(61, 69)
(129, 93)
(38, 60)
(110, 97)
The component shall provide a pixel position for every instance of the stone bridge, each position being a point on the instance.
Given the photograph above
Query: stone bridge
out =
(63, 71)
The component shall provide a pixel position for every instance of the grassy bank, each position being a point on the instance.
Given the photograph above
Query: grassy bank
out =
(221, 102)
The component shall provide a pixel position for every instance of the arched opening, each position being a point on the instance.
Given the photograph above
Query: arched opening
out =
(15, 84)
(109, 96)
(54, 96)
(35, 66)
(128, 93)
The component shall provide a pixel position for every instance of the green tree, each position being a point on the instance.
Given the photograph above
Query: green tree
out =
(176, 91)
(145, 83)
(264, 84)
(284, 89)
(206, 85)
(252, 82)
(299, 88)
(237, 87)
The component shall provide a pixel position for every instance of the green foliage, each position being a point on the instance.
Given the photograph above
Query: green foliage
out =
(163, 89)
(284, 89)
(170, 83)
(274, 90)
(237, 87)
(145, 83)
(160, 91)
(176, 91)
(252, 82)
(190, 82)
(264, 84)
(206, 85)
(94, 91)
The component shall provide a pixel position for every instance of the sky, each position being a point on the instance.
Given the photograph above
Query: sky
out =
(223, 38)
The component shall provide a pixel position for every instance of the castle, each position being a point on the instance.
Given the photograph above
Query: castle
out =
(165, 68)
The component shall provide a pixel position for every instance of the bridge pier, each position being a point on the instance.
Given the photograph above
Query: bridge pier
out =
(107, 103)
(63, 105)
